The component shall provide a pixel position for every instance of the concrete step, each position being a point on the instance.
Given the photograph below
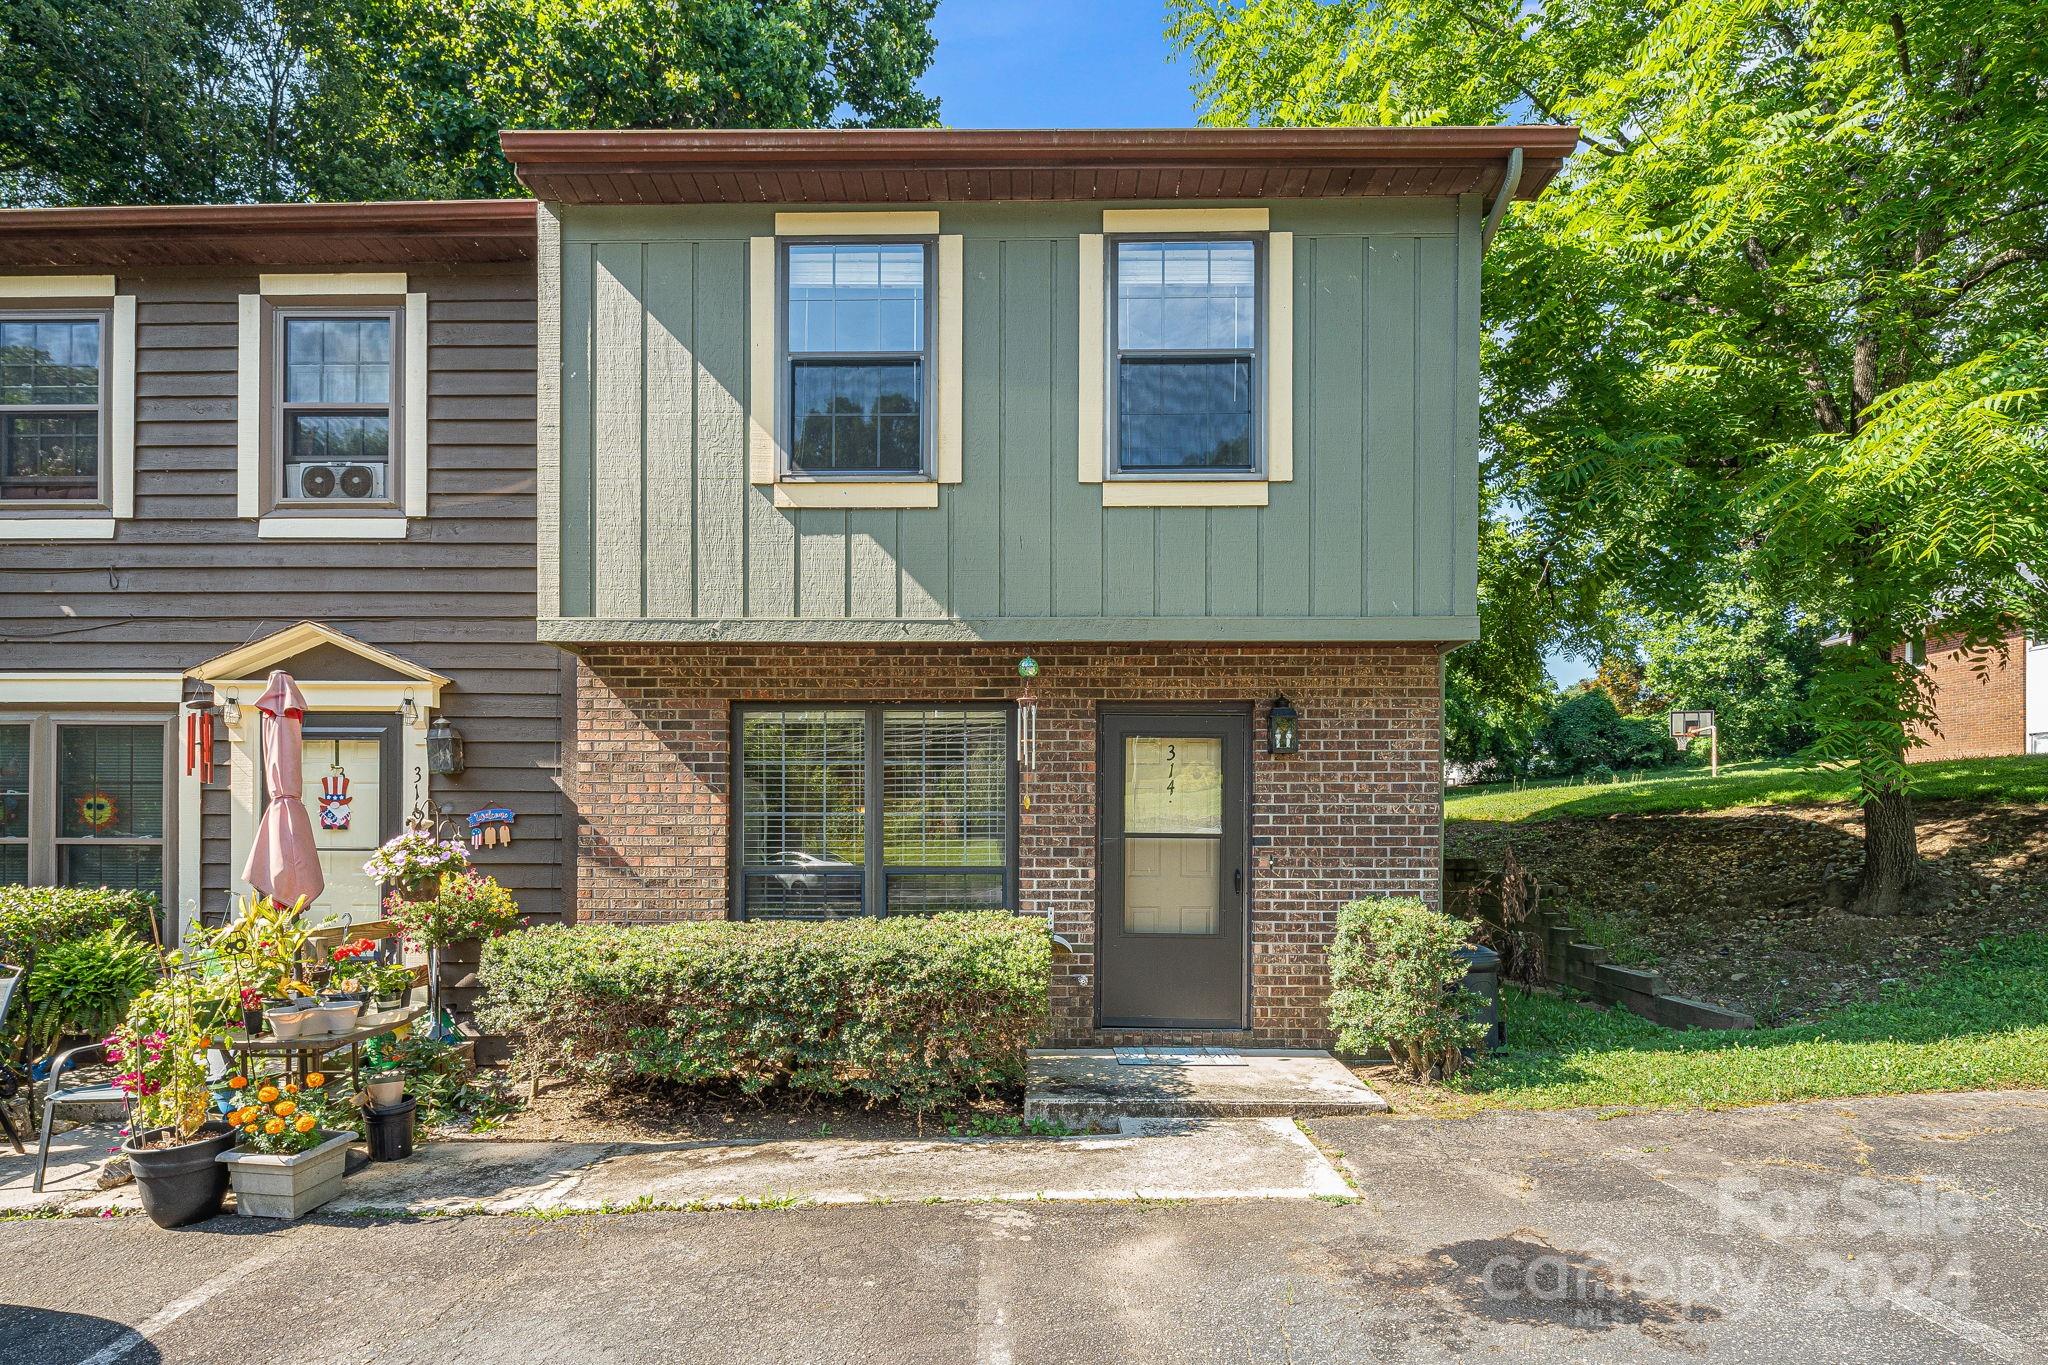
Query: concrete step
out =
(1094, 1089)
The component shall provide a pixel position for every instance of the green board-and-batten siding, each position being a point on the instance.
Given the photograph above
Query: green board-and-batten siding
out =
(650, 529)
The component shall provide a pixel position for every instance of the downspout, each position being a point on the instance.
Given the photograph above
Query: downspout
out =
(1509, 183)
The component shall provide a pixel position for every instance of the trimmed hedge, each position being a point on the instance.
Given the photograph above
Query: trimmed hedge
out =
(922, 1012)
(1396, 981)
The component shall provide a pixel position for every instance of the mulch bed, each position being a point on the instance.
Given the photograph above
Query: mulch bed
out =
(1732, 906)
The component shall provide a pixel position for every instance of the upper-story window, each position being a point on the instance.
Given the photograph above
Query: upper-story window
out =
(52, 408)
(335, 406)
(1186, 372)
(857, 332)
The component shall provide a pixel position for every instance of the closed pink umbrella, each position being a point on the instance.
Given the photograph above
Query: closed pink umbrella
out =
(283, 863)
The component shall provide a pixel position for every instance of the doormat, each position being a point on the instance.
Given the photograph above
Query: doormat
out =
(1177, 1056)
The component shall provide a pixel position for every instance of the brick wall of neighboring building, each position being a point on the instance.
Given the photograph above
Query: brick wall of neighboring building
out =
(1980, 703)
(1357, 811)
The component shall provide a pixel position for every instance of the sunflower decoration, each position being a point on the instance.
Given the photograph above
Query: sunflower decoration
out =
(96, 810)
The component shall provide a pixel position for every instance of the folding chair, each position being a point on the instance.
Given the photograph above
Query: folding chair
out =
(59, 1094)
(12, 1078)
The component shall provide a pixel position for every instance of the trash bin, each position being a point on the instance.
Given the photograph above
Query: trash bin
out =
(391, 1129)
(1482, 978)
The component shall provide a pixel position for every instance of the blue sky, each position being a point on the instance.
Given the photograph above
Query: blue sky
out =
(1057, 64)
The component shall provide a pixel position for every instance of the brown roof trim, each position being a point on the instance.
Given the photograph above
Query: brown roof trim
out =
(399, 233)
(903, 165)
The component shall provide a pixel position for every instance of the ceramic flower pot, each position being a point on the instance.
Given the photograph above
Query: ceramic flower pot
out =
(337, 1017)
(268, 1186)
(182, 1184)
(291, 1023)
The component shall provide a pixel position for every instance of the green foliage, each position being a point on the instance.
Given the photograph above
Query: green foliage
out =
(1584, 733)
(1980, 1021)
(1395, 974)
(1790, 301)
(2020, 779)
(408, 96)
(194, 101)
(1734, 652)
(436, 1076)
(34, 919)
(924, 1012)
(84, 985)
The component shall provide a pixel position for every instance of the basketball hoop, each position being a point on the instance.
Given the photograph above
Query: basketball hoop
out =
(1687, 726)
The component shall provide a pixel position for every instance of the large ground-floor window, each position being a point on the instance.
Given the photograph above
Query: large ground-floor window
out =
(873, 810)
(83, 801)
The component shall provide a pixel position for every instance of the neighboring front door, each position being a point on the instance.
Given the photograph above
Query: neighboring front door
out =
(1172, 881)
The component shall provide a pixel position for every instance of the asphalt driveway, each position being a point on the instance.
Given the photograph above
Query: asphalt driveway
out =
(1885, 1230)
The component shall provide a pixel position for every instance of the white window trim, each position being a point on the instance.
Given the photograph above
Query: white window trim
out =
(93, 523)
(764, 451)
(1093, 354)
(104, 698)
(252, 412)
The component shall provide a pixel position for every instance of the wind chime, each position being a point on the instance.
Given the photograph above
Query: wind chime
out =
(1027, 730)
(336, 805)
(199, 744)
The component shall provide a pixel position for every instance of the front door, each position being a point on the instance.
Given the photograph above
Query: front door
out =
(350, 784)
(1172, 887)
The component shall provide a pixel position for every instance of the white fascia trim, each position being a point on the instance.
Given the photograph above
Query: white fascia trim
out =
(56, 286)
(415, 436)
(56, 528)
(762, 456)
(387, 694)
(1280, 357)
(1185, 220)
(121, 414)
(331, 528)
(249, 407)
(951, 347)
(1094, 375)
(92, 689)
(320, 286)
(868, 223)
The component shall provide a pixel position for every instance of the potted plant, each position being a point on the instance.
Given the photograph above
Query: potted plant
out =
(390, 985)
(252, 1010)
(291, 1152)
(467, 909)
(412, 864)
(174, 1141)
(386, 1085)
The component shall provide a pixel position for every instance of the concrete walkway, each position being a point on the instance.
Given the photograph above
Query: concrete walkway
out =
(1158, 1159)
(1094, 1089)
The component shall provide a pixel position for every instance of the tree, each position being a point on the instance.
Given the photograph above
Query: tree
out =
(407, 97)
(1585, 731)
(1789, 302)
(123, 101)
(1750, 661)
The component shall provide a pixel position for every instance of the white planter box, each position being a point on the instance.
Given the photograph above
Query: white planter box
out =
(292, 1186)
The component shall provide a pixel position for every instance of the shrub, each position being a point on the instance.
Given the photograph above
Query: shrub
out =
(923, 1012)
(32, 918)
(1585, 732)
(85, 985)
(1395, 973)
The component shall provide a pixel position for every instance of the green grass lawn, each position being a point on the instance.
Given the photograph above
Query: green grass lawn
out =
(2021, 779)
(1980, 1021)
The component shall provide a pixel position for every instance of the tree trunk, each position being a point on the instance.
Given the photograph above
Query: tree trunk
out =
(1891, 855)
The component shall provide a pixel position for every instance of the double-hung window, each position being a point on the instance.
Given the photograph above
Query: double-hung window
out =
(1186, 375)
(335, 409)
(857, 358)
(83, 801)
(873, 810)
(52, 408)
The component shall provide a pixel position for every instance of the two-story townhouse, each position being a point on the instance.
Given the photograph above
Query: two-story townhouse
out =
(1072, 522)
(279, 436)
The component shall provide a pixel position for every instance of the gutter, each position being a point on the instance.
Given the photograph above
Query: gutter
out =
(1509, 183)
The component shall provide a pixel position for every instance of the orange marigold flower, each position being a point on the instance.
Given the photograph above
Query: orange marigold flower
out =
(315, 1081)
(305, 1123)
(291, 1087)
(274, 1127)
(267, 1093)
(286, 1108)
(237, 1082)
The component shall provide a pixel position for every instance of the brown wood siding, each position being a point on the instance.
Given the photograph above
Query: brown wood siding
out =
(187, 580)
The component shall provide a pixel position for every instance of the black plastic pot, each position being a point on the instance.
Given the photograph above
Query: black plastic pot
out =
(252, 1021)
(391, 1128)
(182, 1184)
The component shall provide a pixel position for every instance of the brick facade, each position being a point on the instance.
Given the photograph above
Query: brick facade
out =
(1980, 703)
(1357, 811)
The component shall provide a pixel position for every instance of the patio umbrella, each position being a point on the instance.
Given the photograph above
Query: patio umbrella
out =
(283, 864)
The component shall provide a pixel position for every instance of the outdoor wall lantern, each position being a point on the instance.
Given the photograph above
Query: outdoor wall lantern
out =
(1283, 727)
(444, 748)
